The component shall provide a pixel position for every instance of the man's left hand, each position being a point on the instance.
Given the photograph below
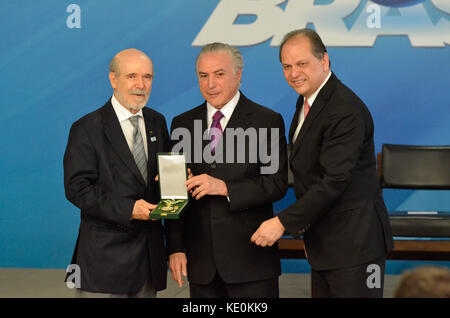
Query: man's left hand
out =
(204, 184)
(268, 232)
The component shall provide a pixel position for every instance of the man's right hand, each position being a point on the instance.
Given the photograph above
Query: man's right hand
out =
(141, 210)
(177, 266)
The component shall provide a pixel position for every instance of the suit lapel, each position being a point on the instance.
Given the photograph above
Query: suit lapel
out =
(240, 114)
(238, 119)
(150, 130)
(115, 135)
(294, 122)
(319, 103)
(201, 115)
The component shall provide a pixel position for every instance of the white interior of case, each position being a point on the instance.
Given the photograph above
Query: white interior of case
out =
(172, 176)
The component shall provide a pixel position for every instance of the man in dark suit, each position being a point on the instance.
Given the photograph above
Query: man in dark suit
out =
(109, 173)
(230, 197)
(339, 208)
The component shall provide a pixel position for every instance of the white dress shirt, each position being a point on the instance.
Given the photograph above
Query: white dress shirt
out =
(226, 110)
(123, 115)
(311, 99)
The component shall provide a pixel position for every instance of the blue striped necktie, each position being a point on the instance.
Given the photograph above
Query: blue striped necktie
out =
(138, 148)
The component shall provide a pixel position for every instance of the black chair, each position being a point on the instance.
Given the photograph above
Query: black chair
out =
(405, 167)
(416, 167)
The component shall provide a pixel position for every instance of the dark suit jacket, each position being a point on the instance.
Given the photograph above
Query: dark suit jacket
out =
(339, 208)
(115, 254)
(215, 233)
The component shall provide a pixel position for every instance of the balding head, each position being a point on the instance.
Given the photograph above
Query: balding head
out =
(131, 75)
(126, 54)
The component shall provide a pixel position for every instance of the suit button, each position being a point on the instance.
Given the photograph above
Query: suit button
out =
(213, 166)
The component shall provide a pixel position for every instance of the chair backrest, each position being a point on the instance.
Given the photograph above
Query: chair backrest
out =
(415, 167)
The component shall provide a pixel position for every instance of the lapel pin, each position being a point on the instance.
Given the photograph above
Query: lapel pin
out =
(152, 138)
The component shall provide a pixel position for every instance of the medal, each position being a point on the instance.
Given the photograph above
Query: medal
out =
(170, 205)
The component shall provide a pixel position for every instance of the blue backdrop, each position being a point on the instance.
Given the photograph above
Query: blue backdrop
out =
(54, 58)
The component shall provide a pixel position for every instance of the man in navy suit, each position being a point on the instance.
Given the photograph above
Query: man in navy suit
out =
(339, 208)
(211, 241)
(109, 173)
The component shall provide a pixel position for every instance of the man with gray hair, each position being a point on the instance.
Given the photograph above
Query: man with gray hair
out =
(109, 174)
(210, 243)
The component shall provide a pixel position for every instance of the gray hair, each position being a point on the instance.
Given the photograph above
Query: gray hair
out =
(235, 54)
(318, 48)
(113, 66)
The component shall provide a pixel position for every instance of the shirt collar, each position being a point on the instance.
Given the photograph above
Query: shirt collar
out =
(312, 98)
(121, 112)
(226, 110)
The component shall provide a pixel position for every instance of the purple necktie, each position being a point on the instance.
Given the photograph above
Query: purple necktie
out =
(217, 132)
